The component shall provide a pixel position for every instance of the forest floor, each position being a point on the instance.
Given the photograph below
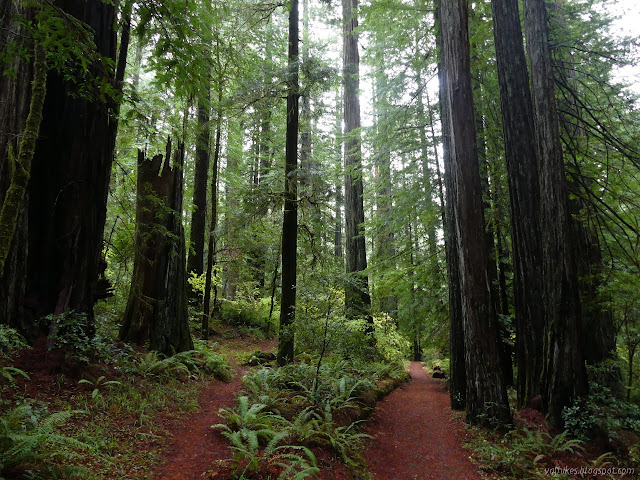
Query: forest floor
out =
(414, 437)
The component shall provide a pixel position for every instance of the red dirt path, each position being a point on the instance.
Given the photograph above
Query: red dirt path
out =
(414, 435)
(195, 446)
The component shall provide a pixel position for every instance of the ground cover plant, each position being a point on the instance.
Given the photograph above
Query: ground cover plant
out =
(103, 414)
(304, 406)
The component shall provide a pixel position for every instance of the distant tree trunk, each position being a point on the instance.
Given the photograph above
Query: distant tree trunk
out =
(357, 299)
(338, 251)
(385, 251)
(157, 306)
(457, 381)
(564, 374)
(211, 254)
(68, 188)
(486, 401)
(522, 176)
(195, 262)
(290, 220)
(306, 170)
(231, 265)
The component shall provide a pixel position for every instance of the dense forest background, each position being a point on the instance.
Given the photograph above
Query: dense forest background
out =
(386, 180)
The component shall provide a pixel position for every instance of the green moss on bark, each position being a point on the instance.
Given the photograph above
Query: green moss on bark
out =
(22, 164)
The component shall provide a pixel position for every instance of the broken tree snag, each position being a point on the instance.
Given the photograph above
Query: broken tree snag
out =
(157, 306)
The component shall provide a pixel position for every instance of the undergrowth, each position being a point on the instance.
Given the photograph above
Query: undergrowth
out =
(124, 397)
(300, 406)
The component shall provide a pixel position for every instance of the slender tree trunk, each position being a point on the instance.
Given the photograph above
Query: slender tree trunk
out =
(157, 306)
(211, 255)
(385, 251)
(195, 262)
(522, 176)
(357, 299)
(290, 221)
(338, 251)
(486, 401)
(564, 375)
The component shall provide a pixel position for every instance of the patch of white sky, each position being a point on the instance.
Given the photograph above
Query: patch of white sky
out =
(627, 25)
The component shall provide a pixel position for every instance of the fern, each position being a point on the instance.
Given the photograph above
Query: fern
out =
(10, 372)
(26, 439)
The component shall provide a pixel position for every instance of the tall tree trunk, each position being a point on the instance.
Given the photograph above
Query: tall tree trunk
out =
(564, 374)
(195, 262)
(522, 177)
(290, 220)
(458, 381)
(357, 299)
(486, 401)
(157, 306)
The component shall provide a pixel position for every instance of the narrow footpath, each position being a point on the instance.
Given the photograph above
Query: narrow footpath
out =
(414, 435)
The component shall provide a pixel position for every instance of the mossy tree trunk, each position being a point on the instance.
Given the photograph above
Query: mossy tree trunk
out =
(56, 259)
(21, 165)
(156, 310)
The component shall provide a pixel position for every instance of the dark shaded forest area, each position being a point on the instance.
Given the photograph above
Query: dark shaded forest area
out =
(311, 194)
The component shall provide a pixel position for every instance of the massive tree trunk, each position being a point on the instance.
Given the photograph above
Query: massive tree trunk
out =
(357, 299)
(290, 220)
(157, 306)
(458, 379)
(69, 182)
(486, 401)
(522, 176)
(564, 375)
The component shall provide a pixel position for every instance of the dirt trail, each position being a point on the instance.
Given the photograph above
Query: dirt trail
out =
(414, 436)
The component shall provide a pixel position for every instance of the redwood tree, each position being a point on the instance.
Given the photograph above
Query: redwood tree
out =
(56, 259)
(522, 177)
(357, 299)
(486, 396)
(564, 374)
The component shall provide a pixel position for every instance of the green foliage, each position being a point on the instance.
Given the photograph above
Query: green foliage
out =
(10, 340)
(299, 402)
(392, 345)
(249, 312)
(187, 364)
(74, 333)
(100, 384)
(30, 438)
(518, 453)
(249, 427)
(601, 414)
